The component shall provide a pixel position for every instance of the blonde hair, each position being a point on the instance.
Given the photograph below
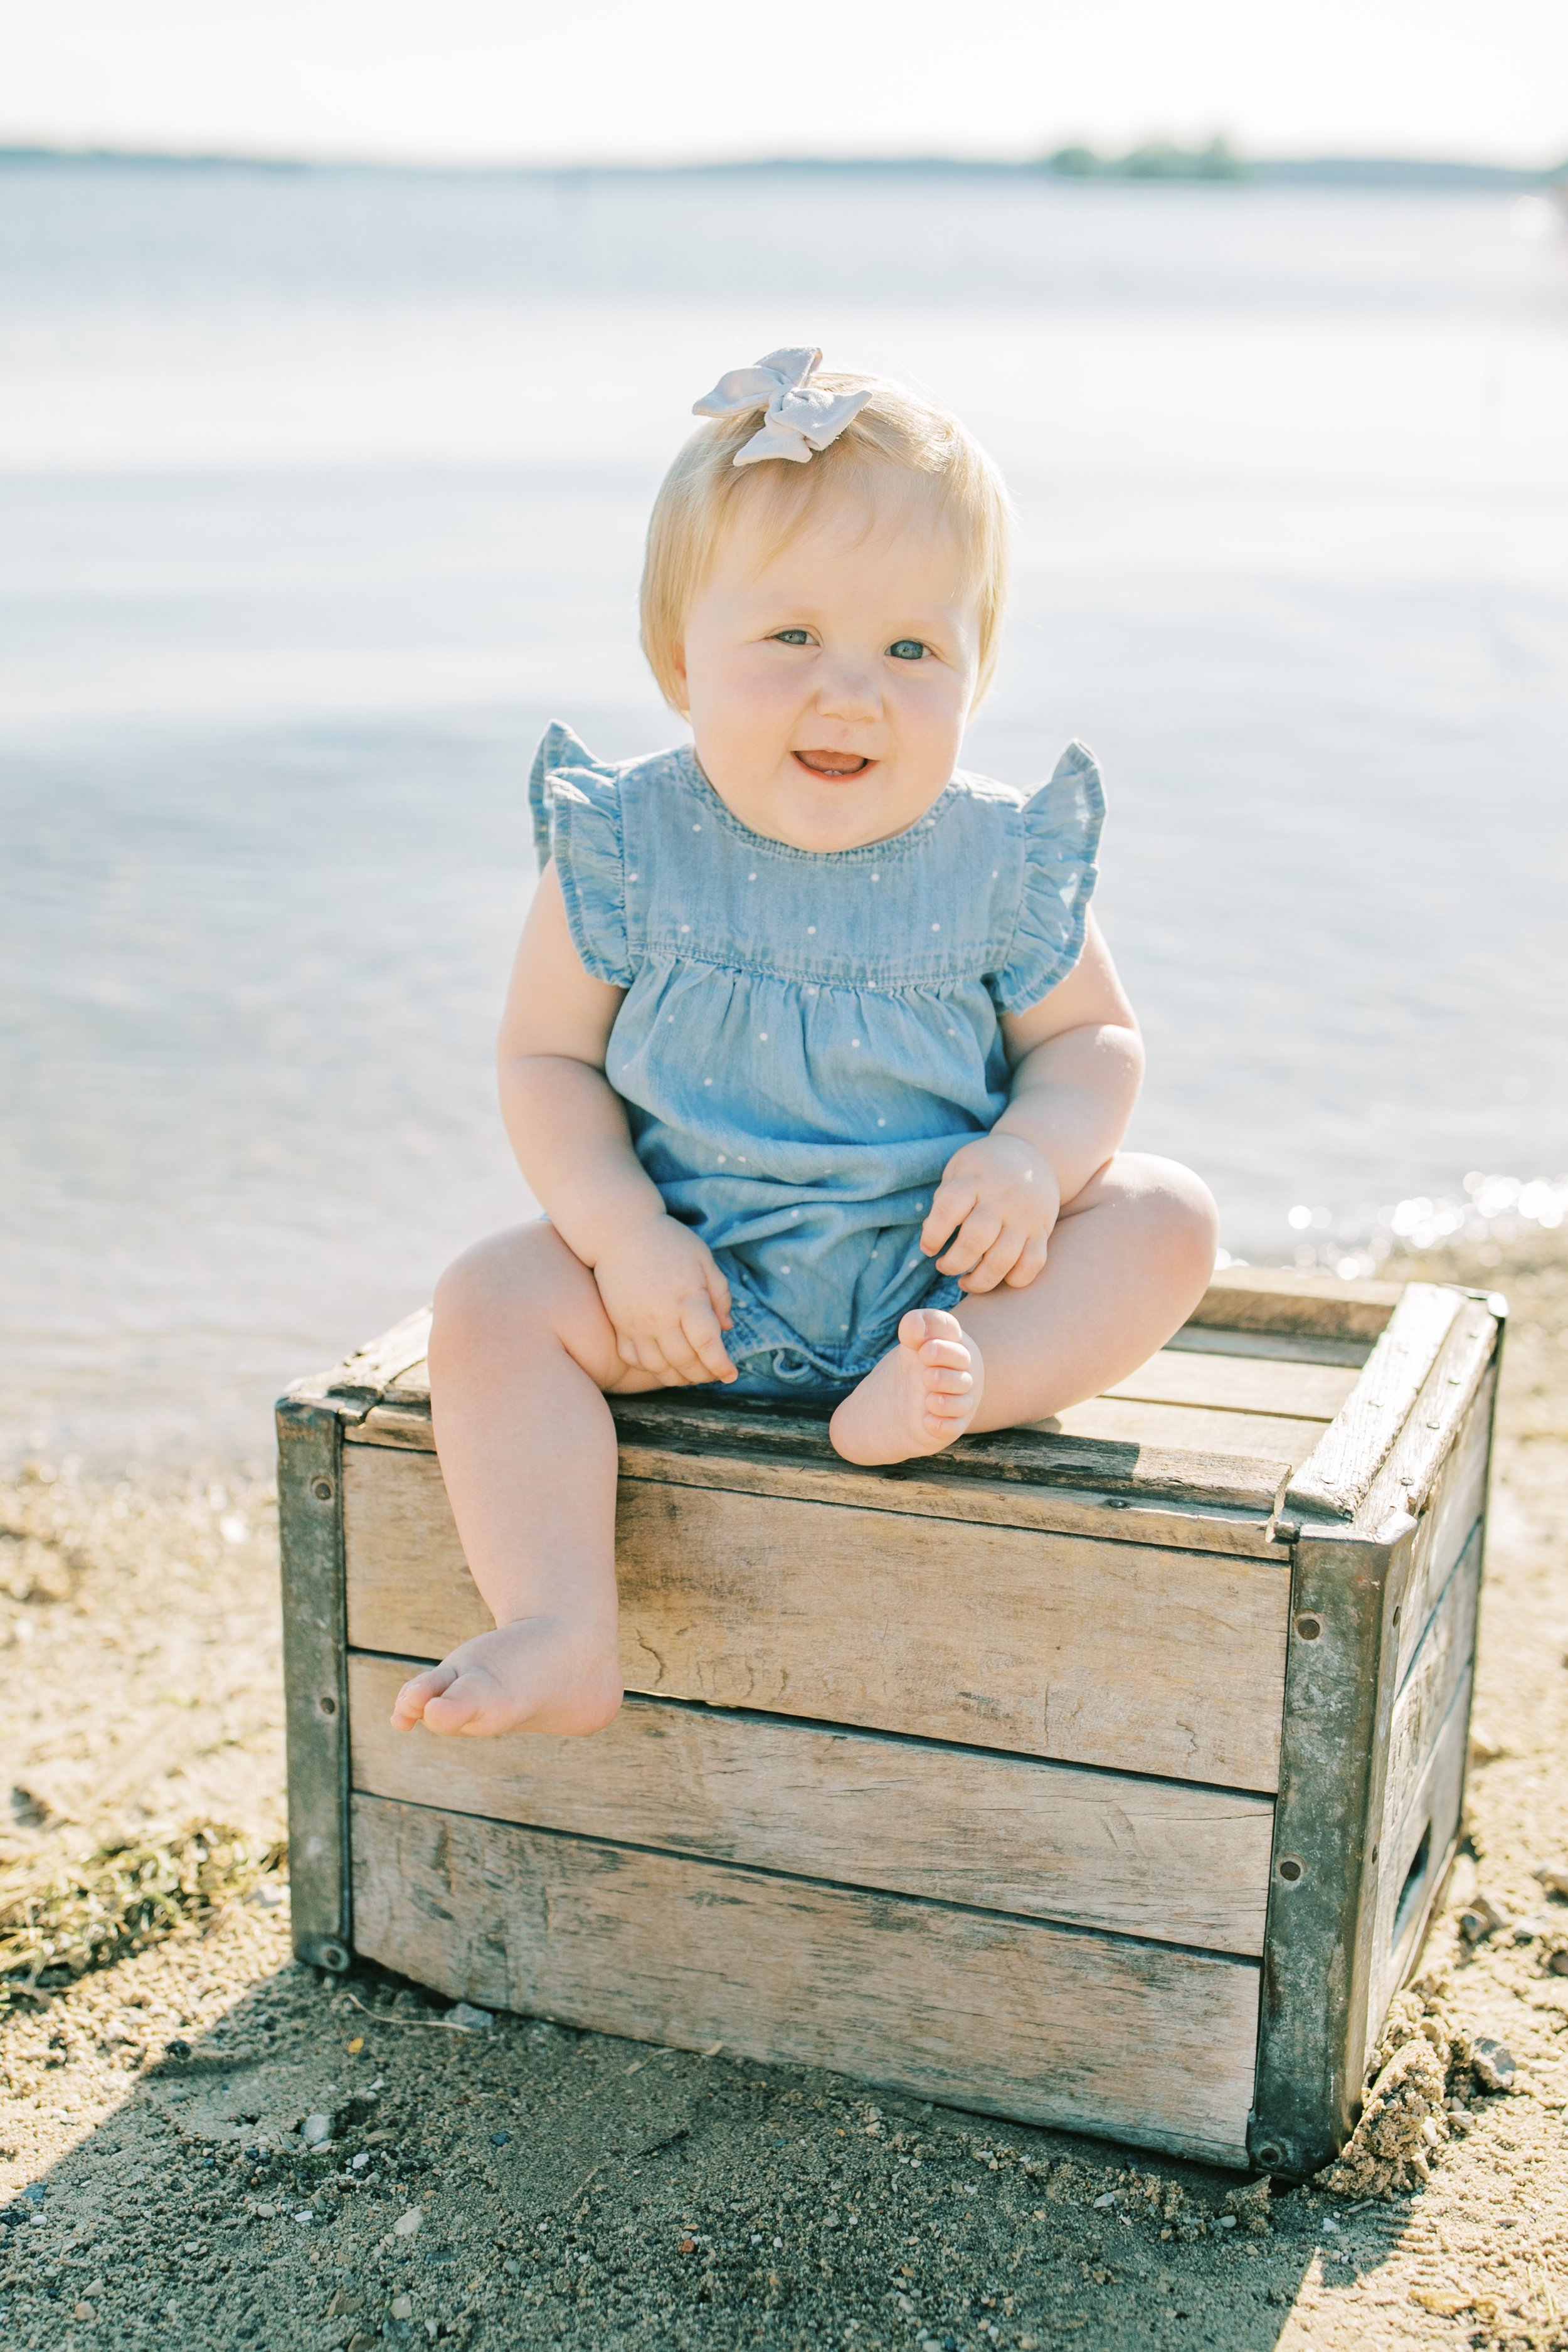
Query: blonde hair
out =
(896, 432)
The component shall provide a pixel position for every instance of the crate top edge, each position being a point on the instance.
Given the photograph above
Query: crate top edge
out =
(1279, 1302)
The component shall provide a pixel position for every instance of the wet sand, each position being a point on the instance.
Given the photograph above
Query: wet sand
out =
(574, 2189)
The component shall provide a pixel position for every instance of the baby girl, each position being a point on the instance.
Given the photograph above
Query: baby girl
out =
(813, 1051)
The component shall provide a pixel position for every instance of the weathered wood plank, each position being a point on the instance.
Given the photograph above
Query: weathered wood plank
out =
(1276, 1347)
(1156, 1859)
(1454, 1508)
(1240, 1384)
(1266, 1298)
(396, 1424)
(1189, 1428)
(701, 1421)
(1110, 1654)
(1062, 1510)
(1427, 1435)
(1011, 2016)
(1444, 1661)
(1337, 1477)
(1412, 1859)
(368, 1375)
(315, 1690)
(1207, 1471)
(1314, 1983)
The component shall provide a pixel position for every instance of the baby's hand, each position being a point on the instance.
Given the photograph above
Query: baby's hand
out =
(670, 1304)
(993, 1210)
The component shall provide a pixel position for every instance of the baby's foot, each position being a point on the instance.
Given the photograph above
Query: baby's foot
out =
(541, 1673)
(924, 1393)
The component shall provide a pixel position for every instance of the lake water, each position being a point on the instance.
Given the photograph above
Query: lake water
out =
(320, 492)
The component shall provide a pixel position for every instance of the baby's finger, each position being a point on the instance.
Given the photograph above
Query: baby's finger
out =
(974, 1237)
(998, 1261)
(686, 1366)
(683, 1368)
(680, 1351)
(700, 1326)
(951, 1203)
(417, 1694)
(1031, 1262)
(651, 1359)
(719, 1292)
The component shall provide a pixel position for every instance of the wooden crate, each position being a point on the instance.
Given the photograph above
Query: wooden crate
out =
(1099, 1775)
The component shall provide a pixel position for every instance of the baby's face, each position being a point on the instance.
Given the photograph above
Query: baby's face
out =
(828, 683)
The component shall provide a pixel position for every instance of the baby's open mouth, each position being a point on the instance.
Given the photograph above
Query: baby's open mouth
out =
(832, 763)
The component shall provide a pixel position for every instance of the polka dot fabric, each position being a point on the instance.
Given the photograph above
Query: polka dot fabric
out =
(807, 1038)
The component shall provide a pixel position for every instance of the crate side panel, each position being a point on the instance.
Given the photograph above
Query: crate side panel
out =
(1156, 1859)
(1052, 1645)
(1413, 1859)
(1449, 1522)
(1014, 2018)
(1444, 1659)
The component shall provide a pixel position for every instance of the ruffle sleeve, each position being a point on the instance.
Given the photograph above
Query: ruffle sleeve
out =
(1061, 825)
(576, 803)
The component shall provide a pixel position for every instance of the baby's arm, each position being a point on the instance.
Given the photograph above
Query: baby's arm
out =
(661, 1287)
(1078, 1063)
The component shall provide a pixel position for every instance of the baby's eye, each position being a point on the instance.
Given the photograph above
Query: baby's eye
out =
(906, 649)
(792, 637)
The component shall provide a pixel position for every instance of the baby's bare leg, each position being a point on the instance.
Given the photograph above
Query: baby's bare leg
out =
(1129, 1259)
(521, 1353)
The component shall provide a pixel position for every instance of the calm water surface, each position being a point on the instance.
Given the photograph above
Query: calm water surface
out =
(320, 493)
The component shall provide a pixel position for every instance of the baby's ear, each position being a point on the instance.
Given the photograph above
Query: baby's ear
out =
(680, 699)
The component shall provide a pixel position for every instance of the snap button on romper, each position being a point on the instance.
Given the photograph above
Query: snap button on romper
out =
(806, 1038)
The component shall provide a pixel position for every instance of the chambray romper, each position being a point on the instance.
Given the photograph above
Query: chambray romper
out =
(806, 1038)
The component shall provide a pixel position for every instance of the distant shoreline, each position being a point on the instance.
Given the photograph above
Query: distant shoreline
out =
(1163, 167)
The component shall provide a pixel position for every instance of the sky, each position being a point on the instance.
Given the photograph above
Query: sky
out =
(669, 80)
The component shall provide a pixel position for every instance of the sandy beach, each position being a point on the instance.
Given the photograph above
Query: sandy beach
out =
(203, 2145)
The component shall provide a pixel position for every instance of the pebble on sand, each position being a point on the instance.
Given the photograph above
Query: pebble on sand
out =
(316, 2131)
(1482, 1918)
(469, 2020)
(407, 2223)
(1492, 2064)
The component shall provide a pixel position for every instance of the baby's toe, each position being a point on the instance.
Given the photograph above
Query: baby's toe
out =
(460, 1707)
(936, 1336)
(417, 1694)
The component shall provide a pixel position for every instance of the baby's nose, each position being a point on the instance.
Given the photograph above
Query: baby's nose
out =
(849, 690)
